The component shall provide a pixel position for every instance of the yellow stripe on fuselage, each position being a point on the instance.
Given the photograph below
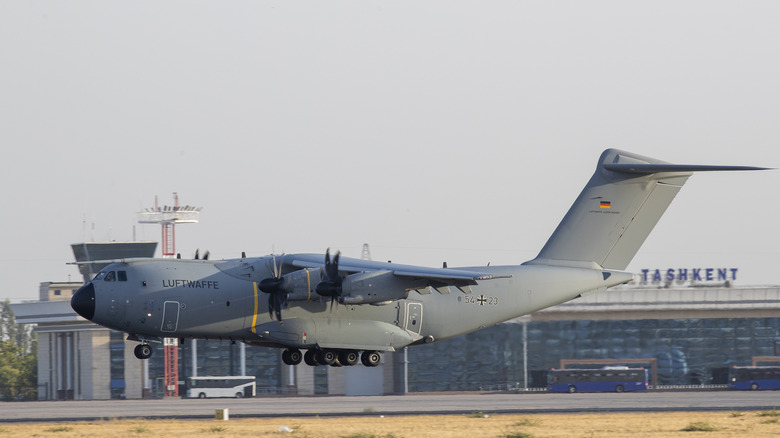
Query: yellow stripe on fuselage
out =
(254, 317)
(308, 284)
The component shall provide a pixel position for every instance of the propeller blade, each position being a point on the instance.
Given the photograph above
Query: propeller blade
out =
(276, 302)
(332, 266)
(271, 304)
(196, 254)
(206, 255)
(335, 267)
(331, 285)
(274, 287)
(282, 299)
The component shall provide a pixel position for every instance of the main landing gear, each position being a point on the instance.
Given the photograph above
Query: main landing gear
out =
(143, 351)
(335, 358)
(292, 356)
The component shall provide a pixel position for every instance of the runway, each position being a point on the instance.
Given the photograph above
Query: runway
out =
(412, 404)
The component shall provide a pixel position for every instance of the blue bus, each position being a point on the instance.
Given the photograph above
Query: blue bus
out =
(607, 379)
(754, 378)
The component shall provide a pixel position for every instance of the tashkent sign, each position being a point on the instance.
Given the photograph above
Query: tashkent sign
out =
(693, 274)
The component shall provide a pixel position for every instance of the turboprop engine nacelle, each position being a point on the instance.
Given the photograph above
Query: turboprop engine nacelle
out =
(373, 288)
(300, 285)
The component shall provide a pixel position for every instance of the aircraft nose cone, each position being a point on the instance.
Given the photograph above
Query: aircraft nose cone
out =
(83, 301)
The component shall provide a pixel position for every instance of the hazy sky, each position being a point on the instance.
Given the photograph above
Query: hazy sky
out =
(446, 130)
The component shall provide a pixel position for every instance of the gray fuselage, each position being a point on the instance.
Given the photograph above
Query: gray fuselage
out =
(204, 299)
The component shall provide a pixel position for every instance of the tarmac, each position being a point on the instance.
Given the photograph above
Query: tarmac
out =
(411, 404)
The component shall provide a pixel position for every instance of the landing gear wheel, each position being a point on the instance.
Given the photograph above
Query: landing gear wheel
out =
(292, 356)
(311, 358)
(371, 358)
(295, 356)
(349, 357)
(143, 351)
(327, 357)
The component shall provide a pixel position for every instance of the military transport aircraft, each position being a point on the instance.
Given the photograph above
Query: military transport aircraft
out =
(333, 308)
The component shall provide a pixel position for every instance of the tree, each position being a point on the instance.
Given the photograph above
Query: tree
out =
(8, 330)
(18, 358)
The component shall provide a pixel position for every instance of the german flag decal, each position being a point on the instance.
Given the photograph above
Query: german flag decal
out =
(605, 204)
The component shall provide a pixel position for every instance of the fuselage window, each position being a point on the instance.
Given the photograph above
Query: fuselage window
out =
(110, 276)
(121, 275)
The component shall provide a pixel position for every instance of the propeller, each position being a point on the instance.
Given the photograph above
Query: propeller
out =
(277, 295)
(331, 285)
(197, 255)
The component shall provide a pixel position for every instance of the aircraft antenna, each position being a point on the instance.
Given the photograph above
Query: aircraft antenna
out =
(168, 217)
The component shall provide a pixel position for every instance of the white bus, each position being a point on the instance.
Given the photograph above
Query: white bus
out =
(221, 386)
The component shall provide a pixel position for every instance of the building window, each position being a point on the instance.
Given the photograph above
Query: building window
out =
(117, 358)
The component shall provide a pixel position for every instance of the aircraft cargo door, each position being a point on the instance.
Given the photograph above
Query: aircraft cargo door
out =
(170, 316)
(414, 314)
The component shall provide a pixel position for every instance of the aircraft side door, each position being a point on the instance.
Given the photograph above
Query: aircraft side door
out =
(414, 314)
(170, 316)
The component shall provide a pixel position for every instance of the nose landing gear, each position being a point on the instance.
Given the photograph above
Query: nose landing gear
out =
(143, 351)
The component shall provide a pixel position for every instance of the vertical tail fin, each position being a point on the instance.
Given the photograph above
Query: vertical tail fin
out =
(616, 210)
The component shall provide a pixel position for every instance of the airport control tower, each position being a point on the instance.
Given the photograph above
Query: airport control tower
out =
(168, 217)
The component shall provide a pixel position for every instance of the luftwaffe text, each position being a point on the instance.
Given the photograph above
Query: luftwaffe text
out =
(193, 284)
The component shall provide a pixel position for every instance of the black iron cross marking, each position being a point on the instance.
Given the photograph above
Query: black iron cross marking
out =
(481, 300)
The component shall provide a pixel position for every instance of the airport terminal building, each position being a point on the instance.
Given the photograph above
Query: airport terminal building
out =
(693, 334)
(692, 330)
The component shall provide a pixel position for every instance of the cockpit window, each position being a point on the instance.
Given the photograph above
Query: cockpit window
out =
(110, 276)
(121, 275)
(99, 276)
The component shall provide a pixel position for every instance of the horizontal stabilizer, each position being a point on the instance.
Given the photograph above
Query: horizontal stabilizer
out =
(657, 168)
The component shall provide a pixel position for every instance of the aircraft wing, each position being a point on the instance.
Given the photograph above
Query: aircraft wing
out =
(446, 275)
(419, 277)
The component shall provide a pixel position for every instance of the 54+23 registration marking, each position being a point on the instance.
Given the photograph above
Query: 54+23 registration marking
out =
(481, 300)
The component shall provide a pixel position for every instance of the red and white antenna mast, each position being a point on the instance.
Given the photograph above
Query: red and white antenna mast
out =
(168, 217)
